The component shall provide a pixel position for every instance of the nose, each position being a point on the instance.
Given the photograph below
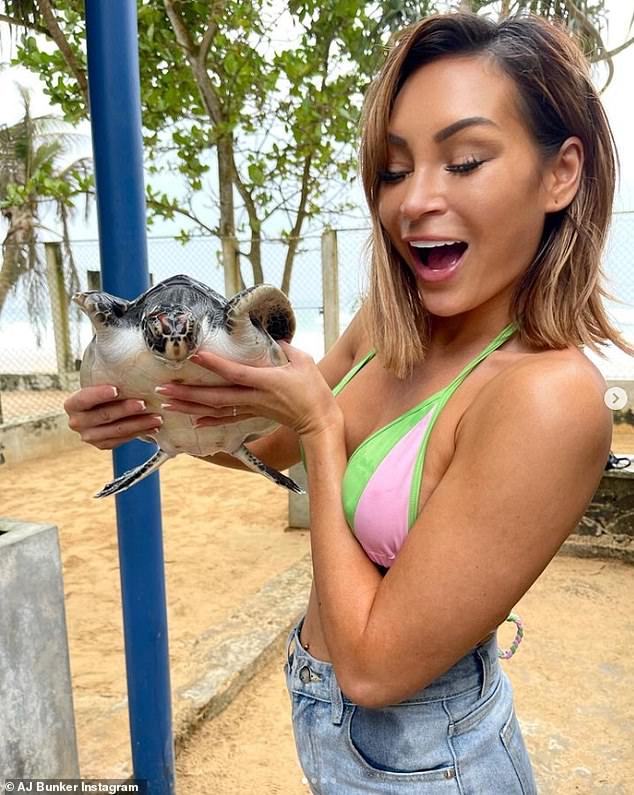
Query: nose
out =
(424, 194)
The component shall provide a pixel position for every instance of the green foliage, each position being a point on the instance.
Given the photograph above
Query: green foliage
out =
(286, 107)
(283, 109)
(59, 85)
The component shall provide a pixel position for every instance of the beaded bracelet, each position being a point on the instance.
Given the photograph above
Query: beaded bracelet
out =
(506, 654)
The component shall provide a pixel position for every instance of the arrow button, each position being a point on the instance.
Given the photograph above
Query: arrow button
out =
(615, 398)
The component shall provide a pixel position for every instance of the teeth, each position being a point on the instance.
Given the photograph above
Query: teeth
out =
(433, 243)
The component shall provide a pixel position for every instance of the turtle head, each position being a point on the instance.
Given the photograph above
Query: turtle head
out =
(171, 332)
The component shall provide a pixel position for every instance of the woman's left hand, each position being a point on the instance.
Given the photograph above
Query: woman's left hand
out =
(294, 394)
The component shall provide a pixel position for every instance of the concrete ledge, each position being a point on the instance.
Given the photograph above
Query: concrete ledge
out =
(223, 660)
(607, 528)
(619, 547)
(233, 652)
(37, 382)
(46, 435)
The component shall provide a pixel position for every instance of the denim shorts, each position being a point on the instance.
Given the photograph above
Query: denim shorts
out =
(458, 735)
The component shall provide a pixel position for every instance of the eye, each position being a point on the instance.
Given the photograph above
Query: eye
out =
(391, 176)
(464, 168)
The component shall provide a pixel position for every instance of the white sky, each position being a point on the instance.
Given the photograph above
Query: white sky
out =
(617, 100)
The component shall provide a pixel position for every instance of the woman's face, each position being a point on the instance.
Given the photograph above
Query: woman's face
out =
(448, 179)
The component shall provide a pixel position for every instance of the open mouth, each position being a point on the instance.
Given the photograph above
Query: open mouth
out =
(437, 256)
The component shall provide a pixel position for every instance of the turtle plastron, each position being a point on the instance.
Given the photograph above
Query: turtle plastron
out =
(143, 343)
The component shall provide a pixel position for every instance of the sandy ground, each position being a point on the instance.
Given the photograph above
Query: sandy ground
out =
(31, 403)
(574, 693)
(224, 538)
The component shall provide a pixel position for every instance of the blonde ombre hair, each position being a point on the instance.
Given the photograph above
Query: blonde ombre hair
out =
(559, 299)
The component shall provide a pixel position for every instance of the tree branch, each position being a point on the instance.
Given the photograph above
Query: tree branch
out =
(186, 43)
(55, 32)
(614, 52)
(24, 23)
(159, 205)
(281, 205)
(592, 32)
(305, 192)
(586, 25)
(212, 29)
(255, 253)
(297, 227)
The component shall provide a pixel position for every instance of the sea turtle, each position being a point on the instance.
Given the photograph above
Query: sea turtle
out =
(142, 343)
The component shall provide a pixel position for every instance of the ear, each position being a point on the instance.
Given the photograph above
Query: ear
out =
(563, 175)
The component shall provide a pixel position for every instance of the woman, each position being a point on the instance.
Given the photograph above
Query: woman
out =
(488, 168)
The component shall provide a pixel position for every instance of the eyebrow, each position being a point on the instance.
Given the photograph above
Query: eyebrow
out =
(448, 131)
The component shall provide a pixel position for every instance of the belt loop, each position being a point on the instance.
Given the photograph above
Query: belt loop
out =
(292, 639)
(485, 661)
(489, 657)
(289, 642)
(336, 699)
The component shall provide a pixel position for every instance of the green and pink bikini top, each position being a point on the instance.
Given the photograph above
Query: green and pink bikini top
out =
(382, 481)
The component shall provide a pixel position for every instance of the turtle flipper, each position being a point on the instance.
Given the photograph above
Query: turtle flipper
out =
(103, 309)
(265, 305)
(133, 476)
(248, 459)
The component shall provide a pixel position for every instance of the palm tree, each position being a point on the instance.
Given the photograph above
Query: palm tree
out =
(35, 174)
(582, 18)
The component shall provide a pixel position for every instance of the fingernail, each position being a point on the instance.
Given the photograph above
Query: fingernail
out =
(114, 391)
(168, 407)
(158, 419)
(140, 404)
(162, 390)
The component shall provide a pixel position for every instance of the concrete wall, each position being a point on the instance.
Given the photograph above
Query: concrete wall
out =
(37, 725)
(11, 382)
(22, 441)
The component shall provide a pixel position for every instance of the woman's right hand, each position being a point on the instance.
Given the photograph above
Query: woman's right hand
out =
(105, 421)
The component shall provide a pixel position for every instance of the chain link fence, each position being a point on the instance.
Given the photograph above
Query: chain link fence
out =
(41, 347)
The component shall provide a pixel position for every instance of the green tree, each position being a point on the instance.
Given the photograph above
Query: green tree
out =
(35, 174)
(271, 123)
(585, 19)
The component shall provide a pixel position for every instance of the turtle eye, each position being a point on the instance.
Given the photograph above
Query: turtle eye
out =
(153, 330)
(182, 323)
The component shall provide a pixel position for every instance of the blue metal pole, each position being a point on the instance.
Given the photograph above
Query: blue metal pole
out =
(115, 115)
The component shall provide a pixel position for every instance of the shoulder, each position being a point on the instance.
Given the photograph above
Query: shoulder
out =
(541, 394)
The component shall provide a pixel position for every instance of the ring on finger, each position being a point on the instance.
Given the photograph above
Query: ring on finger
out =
(234, 411)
